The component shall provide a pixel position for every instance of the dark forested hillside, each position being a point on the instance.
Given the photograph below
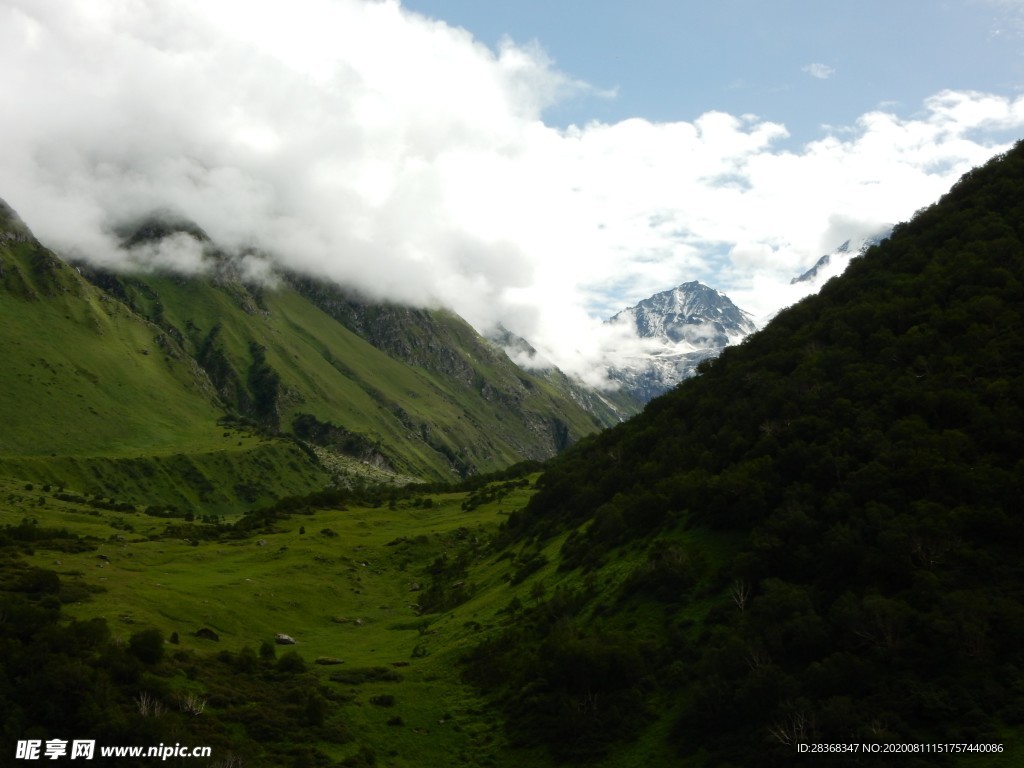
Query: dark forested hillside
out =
(860, 463)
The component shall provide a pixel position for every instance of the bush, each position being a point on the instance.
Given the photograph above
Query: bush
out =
(291, 663)
(147, 646)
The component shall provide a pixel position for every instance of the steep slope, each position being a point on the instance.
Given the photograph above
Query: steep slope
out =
(815, 540)
(100, 399)
(686, 325)
(151, 363)
(415, 391)
(441, 343)
(66, 344)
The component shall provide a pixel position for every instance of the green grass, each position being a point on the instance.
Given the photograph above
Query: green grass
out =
(346, 596)
(246, 471)
(349, 594)
(82, 376)
(415, 412)
(344, 582)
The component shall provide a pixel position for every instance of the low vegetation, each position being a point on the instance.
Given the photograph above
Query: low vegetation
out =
(172, 627)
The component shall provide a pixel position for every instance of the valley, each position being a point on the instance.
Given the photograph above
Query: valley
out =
(383, 600)
(813, 540)
(345, 587)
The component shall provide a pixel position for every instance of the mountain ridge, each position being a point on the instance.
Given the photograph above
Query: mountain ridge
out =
(834, 263)
(421, 395)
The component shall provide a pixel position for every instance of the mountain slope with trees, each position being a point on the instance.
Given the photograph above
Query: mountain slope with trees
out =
(827, 520)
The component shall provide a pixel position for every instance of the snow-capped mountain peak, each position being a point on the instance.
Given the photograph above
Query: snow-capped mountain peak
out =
(685, 325)
(691, 313)
(832, 264)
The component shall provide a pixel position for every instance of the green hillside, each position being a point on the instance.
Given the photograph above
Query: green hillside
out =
(817, 540)
(210, 394)
(417, 391)
(99, 399)
(81, 374)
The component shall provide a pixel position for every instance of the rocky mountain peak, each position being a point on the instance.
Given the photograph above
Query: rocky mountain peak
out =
(691, 323)
(691, 313)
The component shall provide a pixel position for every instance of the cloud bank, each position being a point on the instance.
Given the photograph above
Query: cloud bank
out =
(361, 142)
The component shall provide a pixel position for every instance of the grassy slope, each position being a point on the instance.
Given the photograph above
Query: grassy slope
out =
(346, 596)
(304, 347)
(98, 399)
(334, 374)
(98, 379)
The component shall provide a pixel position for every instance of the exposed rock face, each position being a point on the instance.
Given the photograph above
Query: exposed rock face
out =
(691, 313)
(12, 228)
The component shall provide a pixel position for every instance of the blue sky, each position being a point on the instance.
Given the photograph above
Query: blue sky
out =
(541, 165)
(669, 60)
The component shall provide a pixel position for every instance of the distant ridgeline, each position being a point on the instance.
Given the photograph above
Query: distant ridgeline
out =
(829, 521)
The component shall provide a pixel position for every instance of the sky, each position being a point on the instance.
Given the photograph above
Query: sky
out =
(804, 63)
(541, 165)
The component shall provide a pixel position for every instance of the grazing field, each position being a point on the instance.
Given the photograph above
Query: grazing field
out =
(345, 583)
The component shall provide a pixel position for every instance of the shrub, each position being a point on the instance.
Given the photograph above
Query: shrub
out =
(147, 646)
(291, 663)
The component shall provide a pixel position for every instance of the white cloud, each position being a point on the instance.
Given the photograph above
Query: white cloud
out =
(819, 70)
(1008, 19)
(361, 142)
